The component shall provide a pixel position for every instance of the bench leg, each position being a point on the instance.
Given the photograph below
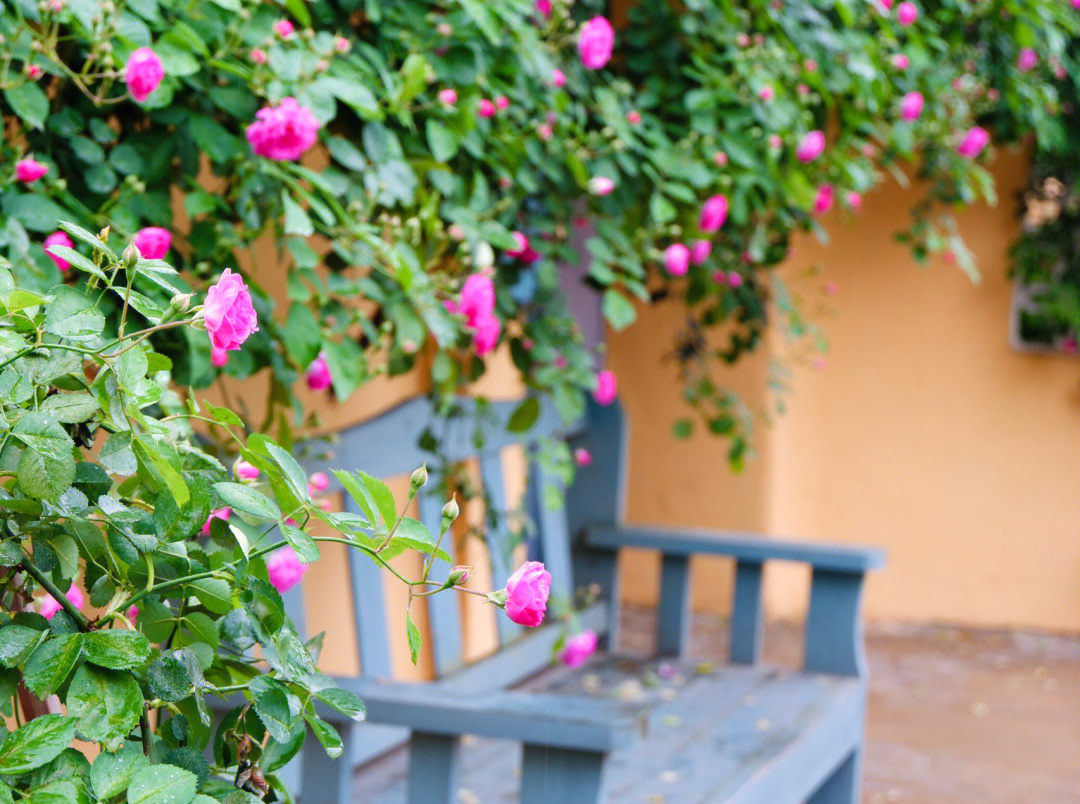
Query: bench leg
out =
(433, 768)
(843, 786)
(329, 781)
(558, 774)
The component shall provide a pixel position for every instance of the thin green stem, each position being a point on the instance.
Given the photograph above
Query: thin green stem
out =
(46, 583)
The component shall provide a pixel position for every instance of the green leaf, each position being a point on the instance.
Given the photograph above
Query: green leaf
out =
(306, 548)
(383, 497)
(272, 707)
(326, 735)
(16, 643)
(168, 679)
(111, 773)
(117, 456)
(301, 336)
(441, 140)
(70, 408)
(201, 627)
(116, 649)
(347, 367)
(48, 666)
(106, 704)
(343, 701)
(29, 102)
(413, 634)
(214, 593)
(294, 475)
(38, 742)
(150, 448)
(44, 435)
(618, 310)
(162, 784)
(524, 415)
(246, 499)
(297, 221)
(44, 478)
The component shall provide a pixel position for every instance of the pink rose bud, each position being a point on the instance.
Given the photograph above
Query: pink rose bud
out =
(284, 568)
(713, 213)
(633, 117)
(677, 259)
(219, 357)
(558, 77)
(132, 612)
(582, 457)
(29, 170)
(595, 42)
(318, 374)
(811, 146)
(221, 513)
(824, 200)
(258, 56)
(477, 298)
(523, 251)
(544, 7)
(50, 605)
(720, 159)
(342, 45)
(544, 132)
(143, 73)
(1027, 60)
(246, 471)
(283, 132)
(284, 28)
(448, 97)
(906, 14)
(911, 106)
(58, 239)
(502, 102)
(527, 592)
(854, 200)
(766, 93)
(579, 648)
(318, 483)
(743, 40)
(485, 108)
(324, 504)
(605, 388)
(230, 319)
(803, 89)
(486, 334)
(775, 141)
(973, 142)
(33, 72)
(153, 242)
(601, 185)
(456, 232)
(734, 279)
(810, 66)
(886, 5)
(901, 61)
(458, 575)
(700, 251)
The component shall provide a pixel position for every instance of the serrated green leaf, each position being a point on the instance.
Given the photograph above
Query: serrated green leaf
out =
(116, 649)
(49, 665)
(38, 742)
(162, 784)
(246, 499)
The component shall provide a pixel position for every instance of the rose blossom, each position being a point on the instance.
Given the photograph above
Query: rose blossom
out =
(900, 61)
(854, 199)
(230, 319)
(58, 239)
(582, 457)
(911, 106)
(544, 132)
(1027, 60)
(486, 334)
(633, 117)
(486, 108)
(153, 242)
(973, 142)
(50, 605)
(811, 146)
(734, 279)
(29, 170)
(523, 251)
(595, 42)
(720, 158)
(502, 102)
(544, 7)
(318, 483)
(824, 200)
(558, 77)
(284, 568)
(132, 612)
(258, 55)
(342, 45)
(527, 592)
(906, 13)
(677, 259)
(700, 251)
(284, 28)
(283, 132)
(219, 357)
(143, 73)
(713, 213)
(221, 513)
(33, 72)
(601, 185)
(579, 648)
(448, 97)
(605, 387)
(246, 471)
(766, 93)
(318, 374)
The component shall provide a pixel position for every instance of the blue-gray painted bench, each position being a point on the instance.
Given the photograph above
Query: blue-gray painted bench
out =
(746, 733)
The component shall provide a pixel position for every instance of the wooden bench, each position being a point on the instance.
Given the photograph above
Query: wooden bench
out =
(744, 733)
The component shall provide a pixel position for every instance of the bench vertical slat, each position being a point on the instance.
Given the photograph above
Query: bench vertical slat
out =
(746, 619)
(557, 774)
(433, 768)
(601, 567)
(834, 624)
(843, 786)
(673, 613)
(498, 540)
(369, 609)
(444, 612)
(554, 534)
(329, 781)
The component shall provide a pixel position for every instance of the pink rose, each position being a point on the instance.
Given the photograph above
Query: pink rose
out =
(318, 374)
(448, 97)
(811, 146)
(601, 185)
(284, 568)
(50, 605)
(906, 13)
(713, 213)
(29, 170)
(544, 132)
(283, 132)
(342, 45)
(33, 72)
(605, 388)
(854, 200)
(633, 117)
(524, 251)
(258, 56)
(485, 108)
(246, 471)
(775, 141)
(582, 457)
(143, 73)
(486, 334)
(911, 106)
(58, 239)
(734, 279)
(824, 200)
(1027, 60)
(558, 77)
(720, 159)
(502, 102)
(900, 61)
(527, 592)
(766, 93)
(219, 357)
(595, 41)
(284, 28)
(153, 242)
(544, 7)
(579, 648)
(477, 298)
(700, 251)
(677, 259)
(318, 483)
(973, 142)
(221, 513)
(230, 318)
(132, 612)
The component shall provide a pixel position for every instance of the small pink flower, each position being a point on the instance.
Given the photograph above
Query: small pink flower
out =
(448, 97)
(258, 56)
(456, 232)
(29, 170)
(1027, 60)
(246, 471)
(633, 117)
(58, 239)
(33, 72)
(854, 200)
(582, 457)
(824, 200)
(523, 251)
(486, 334)
(318, 483)
(230, 319)
(560, 361)
(283, 132)
(132, 613)
(830, 288)
(324, 504)
(558, 78)
(579, 648)
(284, 28)
(318, 374)
(284, 568)
(677, 259)
(544, 7)
(906, 14)
(911, 106)
(601, 185)
(153, 242)
(766, 93)
(544, 132)
(900, 61)
(527, 592)
(743, 40)
(502, 102)
(810, 66)
(973, 142)
(775, 142)
(735, 279)
(700, 251)
(605, 387)
(143, 73)
(342, 45)
(50, 605)
(219, 357)
(477, 298)
(803, 90)
(886, 5)
(1069, 344)
(811, 146)
(485, 108)
(713, 213)
(221, 513)
(720, 159)
(595, 42)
